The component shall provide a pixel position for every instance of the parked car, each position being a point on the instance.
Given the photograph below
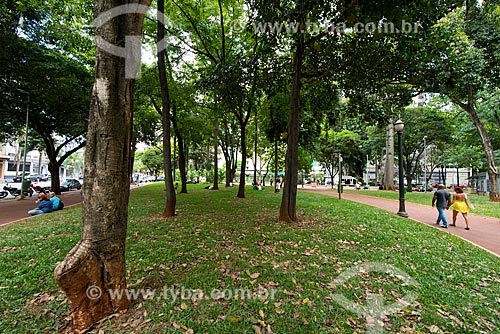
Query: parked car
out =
(19, 178)
(38, 178)
(70, 184)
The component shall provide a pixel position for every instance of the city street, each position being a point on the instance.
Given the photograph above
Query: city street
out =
(12, 210)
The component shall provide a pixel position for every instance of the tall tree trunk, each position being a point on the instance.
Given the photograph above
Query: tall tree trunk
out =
(96, 264)
(182, 151)
(174, 157)
(132, 144)
(40, 159)
(17, 157)
(408, 175)
(234, 167)
(216, 155)
(487, 146)
(275, 162)
(55, 181)
(227, 159)
(227, 149)
(389, 158)
(273, 123)
(241, 188)
(288, 209)
(255, 149)
(228, 174)
(171, 199)
(53, 166)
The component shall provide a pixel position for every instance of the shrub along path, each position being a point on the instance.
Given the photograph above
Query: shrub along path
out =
(484, 231)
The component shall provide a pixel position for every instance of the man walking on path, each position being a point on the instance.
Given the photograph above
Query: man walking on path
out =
(441, 199)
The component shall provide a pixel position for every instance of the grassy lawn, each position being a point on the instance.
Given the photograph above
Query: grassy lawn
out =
(482, 203)
(290, 278)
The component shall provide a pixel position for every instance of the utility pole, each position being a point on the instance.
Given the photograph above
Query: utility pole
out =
(425, 164)
(25, 142)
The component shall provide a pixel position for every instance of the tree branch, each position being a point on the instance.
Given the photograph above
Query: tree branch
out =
(457, 102)
(70, 152)
(223, 37)
(191, 47)
(157, 108)
(58, 149)
(193, 25)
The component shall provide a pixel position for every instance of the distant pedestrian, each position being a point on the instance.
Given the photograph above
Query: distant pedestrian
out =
(459, 204)
(277, 185)
(441, 199)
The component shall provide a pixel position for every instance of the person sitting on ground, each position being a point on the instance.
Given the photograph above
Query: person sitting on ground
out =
(57, 204)
(45, 206)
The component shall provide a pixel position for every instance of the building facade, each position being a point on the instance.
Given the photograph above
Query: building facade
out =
(11, 162)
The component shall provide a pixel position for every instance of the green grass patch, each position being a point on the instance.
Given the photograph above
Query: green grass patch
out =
(483, 205)
(284, 274)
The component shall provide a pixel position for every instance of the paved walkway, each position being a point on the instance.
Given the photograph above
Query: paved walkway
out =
(484, 231)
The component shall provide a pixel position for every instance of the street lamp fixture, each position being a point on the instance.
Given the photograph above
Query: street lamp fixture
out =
(399, 125)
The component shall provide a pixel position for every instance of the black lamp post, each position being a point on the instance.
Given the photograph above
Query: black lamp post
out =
(340, 176)
(425, 165)
(399, 125)
(23, 176)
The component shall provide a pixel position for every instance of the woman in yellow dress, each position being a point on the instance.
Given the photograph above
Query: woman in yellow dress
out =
(459, 204)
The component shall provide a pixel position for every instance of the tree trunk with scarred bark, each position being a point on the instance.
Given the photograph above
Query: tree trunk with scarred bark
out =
(288, 209)
(182, 151)
(389, 158)
(96, 264)
(171, 198)
(241, 187)
(216, 155)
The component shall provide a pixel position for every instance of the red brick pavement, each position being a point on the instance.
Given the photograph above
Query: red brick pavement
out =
(484, 231)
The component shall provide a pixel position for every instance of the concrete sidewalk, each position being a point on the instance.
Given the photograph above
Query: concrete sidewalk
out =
(484, 231)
